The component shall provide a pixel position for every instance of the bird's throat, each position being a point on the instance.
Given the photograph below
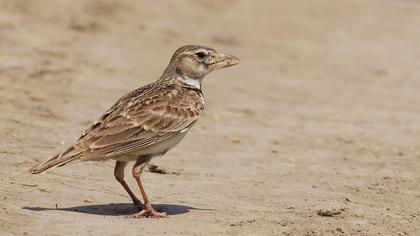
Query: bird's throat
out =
(190, 82)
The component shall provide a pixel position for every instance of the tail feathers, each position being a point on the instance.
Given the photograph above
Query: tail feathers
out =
(56, 161)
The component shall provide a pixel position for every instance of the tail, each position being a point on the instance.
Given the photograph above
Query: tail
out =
(58, 160)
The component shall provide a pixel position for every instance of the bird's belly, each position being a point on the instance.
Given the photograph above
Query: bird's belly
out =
(156, 149)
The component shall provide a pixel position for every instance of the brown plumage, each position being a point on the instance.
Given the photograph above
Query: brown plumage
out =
(148, 121)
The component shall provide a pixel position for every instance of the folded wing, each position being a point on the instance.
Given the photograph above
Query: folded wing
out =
(141, 121)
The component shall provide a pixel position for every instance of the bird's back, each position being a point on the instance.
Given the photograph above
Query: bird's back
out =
(147, 121)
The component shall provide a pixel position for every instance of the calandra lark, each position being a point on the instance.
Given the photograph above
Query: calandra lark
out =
(148, 121)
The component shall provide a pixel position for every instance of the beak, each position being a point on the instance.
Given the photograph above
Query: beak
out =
(223, 60)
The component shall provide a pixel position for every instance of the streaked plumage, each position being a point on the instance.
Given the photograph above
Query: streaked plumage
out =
(148, 121)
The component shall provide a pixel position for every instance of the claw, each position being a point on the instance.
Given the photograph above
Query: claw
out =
(148, 211)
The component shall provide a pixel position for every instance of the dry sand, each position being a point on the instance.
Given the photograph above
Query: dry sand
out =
(316, 132)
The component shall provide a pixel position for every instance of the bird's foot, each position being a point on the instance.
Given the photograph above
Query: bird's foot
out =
(148, 211)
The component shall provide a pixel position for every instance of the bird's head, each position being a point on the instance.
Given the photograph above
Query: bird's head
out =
(194, 62)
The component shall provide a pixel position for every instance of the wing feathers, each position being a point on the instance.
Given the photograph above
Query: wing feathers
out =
(142, 122)
(141, 118)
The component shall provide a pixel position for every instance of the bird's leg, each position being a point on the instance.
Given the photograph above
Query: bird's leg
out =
(148, 210)
(119, 176)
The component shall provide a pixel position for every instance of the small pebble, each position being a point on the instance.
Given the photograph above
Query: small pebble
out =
(38, 98)
(216, 116)
(44, 190)
(235, 140)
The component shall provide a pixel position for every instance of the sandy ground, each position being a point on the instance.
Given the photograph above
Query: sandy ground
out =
(316, 132)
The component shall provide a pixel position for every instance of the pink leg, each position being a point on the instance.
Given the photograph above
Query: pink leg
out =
(148, 210)
(119, 176)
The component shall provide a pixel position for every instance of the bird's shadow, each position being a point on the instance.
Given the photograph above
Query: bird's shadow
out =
(117, 209)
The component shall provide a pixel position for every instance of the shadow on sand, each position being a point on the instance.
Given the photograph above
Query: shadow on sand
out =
(118, 209)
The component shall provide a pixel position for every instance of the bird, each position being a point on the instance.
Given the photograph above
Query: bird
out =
(148, 121)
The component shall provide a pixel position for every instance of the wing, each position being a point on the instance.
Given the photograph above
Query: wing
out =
(141, 118)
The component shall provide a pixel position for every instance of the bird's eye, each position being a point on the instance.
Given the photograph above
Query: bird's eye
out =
(200, 55)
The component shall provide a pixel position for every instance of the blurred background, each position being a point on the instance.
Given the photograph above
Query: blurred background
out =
(315, 132)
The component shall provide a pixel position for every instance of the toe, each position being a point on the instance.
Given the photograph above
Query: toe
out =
(149, 213)
(156, 214)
